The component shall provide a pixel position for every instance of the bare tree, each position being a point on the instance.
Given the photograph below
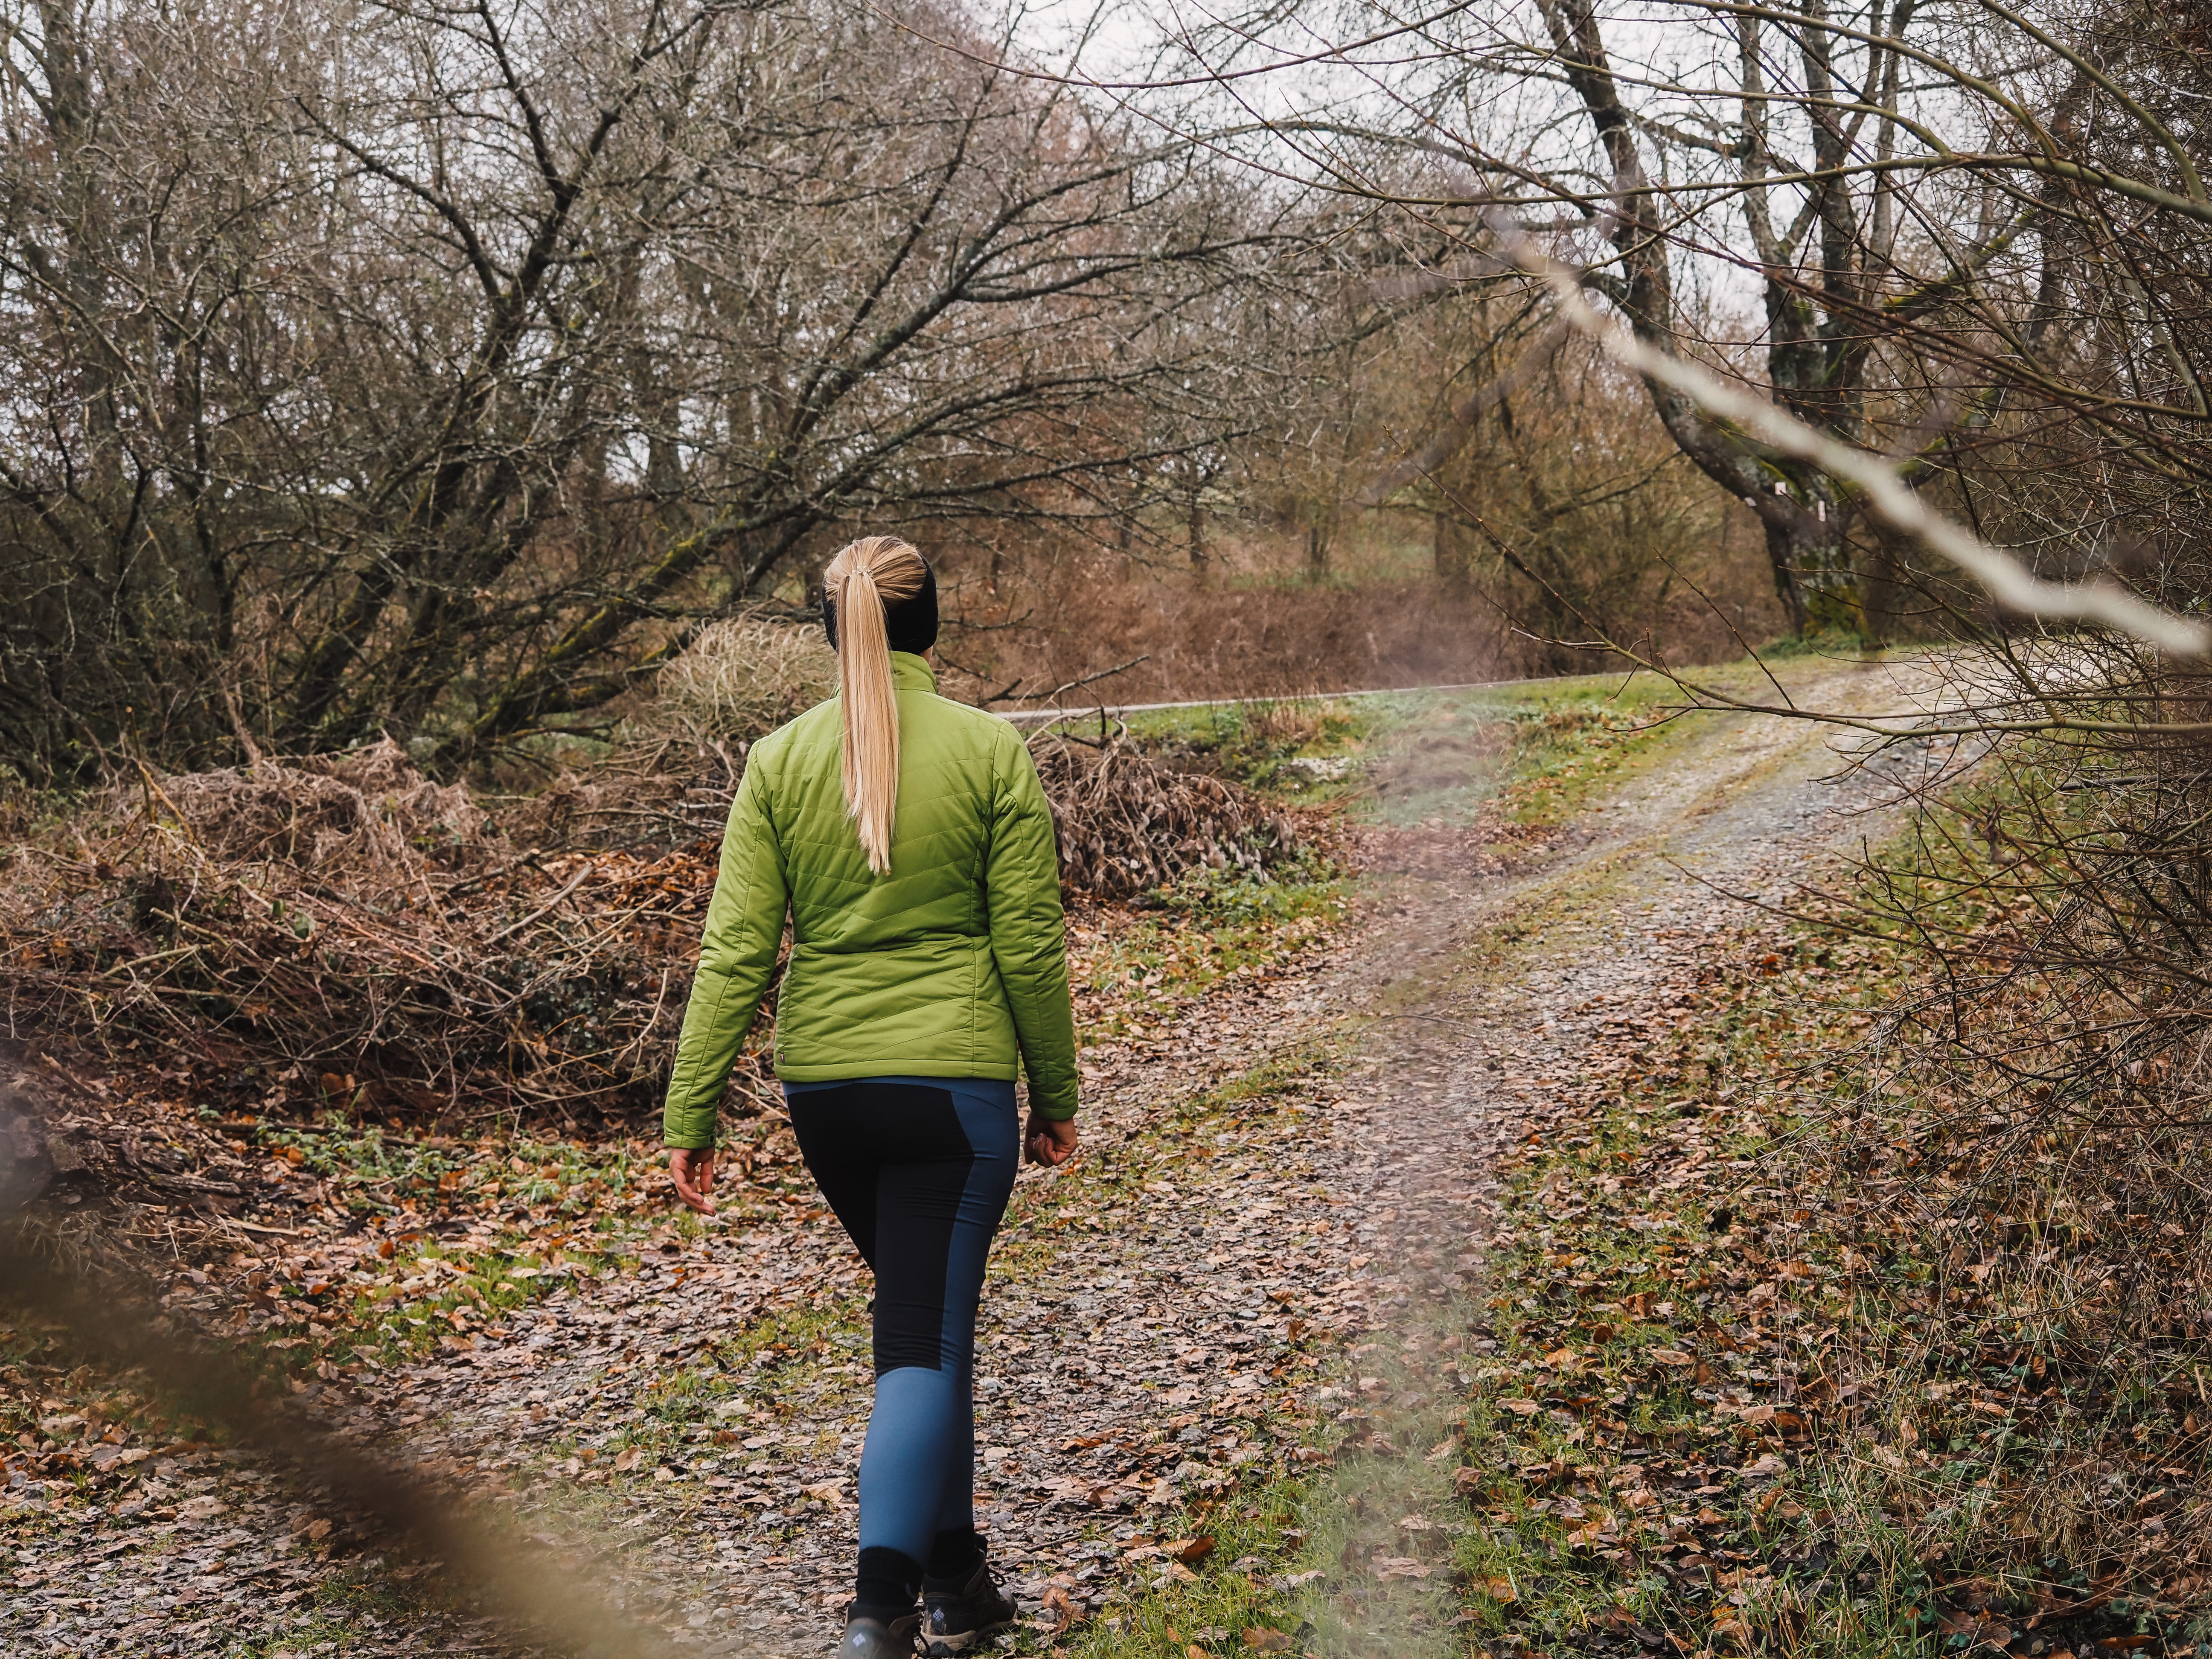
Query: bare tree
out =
(442, 373)
(1951, 233)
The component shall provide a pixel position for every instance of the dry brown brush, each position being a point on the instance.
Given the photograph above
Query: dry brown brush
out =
(281, 932)
(342, 932)
(1127, 825)
(2033, 1125)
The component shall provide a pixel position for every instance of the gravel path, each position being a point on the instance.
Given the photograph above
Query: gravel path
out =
(1289, 1178)
(1474, 1048)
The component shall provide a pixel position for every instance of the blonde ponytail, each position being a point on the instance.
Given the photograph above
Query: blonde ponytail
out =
(864, 577)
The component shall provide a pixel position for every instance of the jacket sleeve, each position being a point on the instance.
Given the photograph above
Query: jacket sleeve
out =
(1029, 935)
(745, 927)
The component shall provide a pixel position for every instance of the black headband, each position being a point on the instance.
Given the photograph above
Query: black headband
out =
(908, 624)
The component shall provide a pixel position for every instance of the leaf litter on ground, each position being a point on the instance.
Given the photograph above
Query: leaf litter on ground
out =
(496, 1305)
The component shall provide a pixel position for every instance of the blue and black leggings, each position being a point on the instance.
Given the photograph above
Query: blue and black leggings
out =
(918, 1170)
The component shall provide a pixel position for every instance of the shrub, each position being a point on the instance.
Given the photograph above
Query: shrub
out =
(738, 682)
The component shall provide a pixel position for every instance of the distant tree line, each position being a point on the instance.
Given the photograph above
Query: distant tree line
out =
(1975, 238)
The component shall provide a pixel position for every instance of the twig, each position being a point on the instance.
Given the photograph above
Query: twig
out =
(2007, 580)
(1074, 685)
(547, 908)
(474, 882)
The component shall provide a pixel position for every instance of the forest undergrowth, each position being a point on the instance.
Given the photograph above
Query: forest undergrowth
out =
(1812, 1333)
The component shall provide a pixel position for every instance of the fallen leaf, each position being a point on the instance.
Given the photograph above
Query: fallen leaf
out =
(1190, 1551)
(1058, 1609)
(1671, 1357)
(1261, 1640)
(628, 1458)
(1598, 1529)
(1500, 1589)
(1398, 1566)
(1621, 1619)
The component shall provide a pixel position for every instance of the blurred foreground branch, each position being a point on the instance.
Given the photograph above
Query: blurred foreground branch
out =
(2008, 581)
(111, 1318)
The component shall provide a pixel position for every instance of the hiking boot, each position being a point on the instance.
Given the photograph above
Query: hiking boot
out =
(869, 1636)
(952, 1621)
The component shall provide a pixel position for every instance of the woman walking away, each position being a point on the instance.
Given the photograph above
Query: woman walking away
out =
(908, 838)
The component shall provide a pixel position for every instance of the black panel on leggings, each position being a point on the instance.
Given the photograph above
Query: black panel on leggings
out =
(892, 1156)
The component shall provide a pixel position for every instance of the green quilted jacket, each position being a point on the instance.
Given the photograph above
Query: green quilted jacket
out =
(954, 963)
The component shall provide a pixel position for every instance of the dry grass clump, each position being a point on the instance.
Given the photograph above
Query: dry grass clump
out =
(1127, 825)
(1280, 723)
(738, 682)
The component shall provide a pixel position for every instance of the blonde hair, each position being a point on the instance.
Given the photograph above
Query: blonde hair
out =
(867, 575)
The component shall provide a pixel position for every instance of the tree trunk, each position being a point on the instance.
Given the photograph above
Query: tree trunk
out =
(1877, 591)
(1812, 575)
(1194, 524)
(1454, 568)
(1317, 555)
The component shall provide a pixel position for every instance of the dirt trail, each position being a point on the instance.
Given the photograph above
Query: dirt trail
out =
(1284, 1175)
(1464, 1053)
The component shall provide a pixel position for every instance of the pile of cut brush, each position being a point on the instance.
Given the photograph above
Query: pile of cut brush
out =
(341, 930)
(344, 928)
(1127, 825)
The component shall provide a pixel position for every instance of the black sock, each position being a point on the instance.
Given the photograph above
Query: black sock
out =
(954, 1556)
(887, 1583)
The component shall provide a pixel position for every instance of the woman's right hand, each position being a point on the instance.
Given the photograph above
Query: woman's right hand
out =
(693, 1171)
(1050, 1141)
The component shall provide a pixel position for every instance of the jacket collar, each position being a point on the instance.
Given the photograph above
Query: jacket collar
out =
(910, 673)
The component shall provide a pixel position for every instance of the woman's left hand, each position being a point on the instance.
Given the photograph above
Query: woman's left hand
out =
(1050, 1141)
